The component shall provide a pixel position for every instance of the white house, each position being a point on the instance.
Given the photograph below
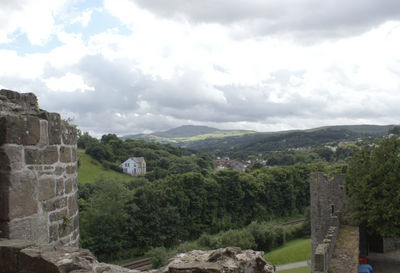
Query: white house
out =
(135, 166)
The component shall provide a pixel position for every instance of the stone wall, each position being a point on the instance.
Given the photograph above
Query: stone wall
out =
(38, 173)
(324, 250)
(18, 256)
(328, 202)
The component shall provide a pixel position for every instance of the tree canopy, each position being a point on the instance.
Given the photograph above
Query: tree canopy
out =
(373, 182)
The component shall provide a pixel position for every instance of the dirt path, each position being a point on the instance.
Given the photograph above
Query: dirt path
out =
(290, 266)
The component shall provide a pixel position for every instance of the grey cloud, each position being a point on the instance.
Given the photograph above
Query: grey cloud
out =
(305, 19)
(115, 105)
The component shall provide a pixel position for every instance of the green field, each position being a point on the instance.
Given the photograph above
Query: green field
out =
(90, 169)
(304, 269)
(293, 251)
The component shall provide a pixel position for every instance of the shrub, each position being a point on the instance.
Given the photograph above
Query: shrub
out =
(159, 256)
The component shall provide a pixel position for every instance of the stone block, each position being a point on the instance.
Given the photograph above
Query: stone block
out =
(44, 132)
(59, 170)
(48, 155)
(65, 154)
(4, 202)
(53, 233)
(9, 250)
(21, 195)
(71, 169)
(68, 185)
(66, 228)
(20, 229)
(47, 188)
(73, 204)
(39, 229)
(32, 228)
(320, 259)
(74, 155)
(19, 130)
(69, 134)
(58, 215)
(54, 125)
(60, 186)
(52, 205)
(11, 158)
(32, 260)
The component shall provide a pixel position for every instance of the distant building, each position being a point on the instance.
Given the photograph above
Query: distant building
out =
(135, 166)
(225, 162)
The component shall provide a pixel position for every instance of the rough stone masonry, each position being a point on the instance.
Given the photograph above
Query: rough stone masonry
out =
(38, 173)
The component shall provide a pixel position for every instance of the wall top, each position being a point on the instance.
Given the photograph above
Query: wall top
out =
(14, 103)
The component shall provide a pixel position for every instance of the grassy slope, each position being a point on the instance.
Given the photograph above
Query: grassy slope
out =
(89, 169)
(294, 251)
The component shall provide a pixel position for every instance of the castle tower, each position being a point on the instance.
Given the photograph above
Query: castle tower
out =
(38, 173)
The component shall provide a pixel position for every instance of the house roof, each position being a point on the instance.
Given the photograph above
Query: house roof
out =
(137, 159)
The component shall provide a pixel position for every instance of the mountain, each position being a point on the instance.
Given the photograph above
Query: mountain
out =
(187, 133)
(260, 143)
(242, 143)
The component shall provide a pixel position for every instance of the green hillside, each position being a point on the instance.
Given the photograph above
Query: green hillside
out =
(294, 251)
(90, 169)
(188, 133)
(253, 144)
(240, 144)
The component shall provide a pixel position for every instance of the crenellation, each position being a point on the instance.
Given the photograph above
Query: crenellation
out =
(54, 124)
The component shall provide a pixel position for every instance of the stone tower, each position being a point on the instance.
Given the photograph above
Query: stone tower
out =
(38, 173)
(328, 201)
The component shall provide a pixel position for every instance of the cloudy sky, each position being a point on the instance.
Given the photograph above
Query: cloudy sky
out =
(134, 66)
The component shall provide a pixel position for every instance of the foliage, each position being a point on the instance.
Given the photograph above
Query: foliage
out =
(373, 182)
(103, 219)
(85, 140)
(161, 160)
(258, 235)
(241, 147)
(159, 256)
(183, 206)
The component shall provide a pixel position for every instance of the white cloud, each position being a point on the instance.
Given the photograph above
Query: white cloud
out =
(83, 18)
(68, 83)
(27, 67)
(174, 70)
(33, 18)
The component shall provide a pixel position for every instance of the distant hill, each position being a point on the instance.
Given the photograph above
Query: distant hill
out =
(187, 133)
(241, 143)
(259, 143)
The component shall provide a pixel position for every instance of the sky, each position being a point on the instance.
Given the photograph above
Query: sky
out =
(139, 66)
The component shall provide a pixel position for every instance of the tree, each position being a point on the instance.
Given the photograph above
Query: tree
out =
(103, 218)
(86, 140)
(373, 182)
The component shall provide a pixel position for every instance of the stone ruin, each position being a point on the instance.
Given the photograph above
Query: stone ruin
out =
(38, 173)
(39, 218)
(328, 201)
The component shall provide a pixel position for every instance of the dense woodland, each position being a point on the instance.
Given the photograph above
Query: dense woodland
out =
(183, 198)
(180, 198)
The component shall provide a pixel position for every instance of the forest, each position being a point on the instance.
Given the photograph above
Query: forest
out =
(181, 197)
